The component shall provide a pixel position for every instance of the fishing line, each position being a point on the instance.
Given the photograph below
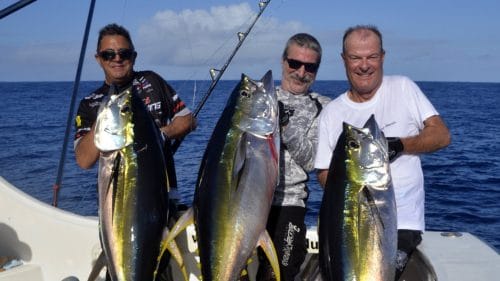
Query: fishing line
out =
(124, 8)
(217, 54)
(215, 57)
(216, 74)
(188, 39)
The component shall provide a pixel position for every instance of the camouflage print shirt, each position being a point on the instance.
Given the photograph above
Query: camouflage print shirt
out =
(298, 146)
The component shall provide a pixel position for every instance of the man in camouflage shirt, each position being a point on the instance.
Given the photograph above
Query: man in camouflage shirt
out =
(299, 112)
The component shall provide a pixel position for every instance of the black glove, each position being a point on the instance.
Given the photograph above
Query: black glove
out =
(396, 147)
(283, 114)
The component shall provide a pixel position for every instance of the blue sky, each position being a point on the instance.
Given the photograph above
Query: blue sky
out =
(440, 40)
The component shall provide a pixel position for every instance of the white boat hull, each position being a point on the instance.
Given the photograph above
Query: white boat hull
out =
(54, 244)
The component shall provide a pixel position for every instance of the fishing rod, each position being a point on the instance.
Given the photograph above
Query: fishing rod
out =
(71, 108)
(216, 74)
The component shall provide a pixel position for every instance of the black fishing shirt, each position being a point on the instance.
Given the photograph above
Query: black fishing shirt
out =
(159, 97)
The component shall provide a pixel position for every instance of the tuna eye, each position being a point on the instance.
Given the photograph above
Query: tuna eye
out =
(125, 109)
(353, 144)
(245, 94)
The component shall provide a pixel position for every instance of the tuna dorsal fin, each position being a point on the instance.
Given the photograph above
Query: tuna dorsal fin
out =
(266, 243)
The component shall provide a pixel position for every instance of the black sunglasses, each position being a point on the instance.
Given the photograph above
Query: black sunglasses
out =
(125, 54)
(308, 66)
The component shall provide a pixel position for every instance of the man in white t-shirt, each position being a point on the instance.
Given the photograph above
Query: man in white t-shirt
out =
(405, 115)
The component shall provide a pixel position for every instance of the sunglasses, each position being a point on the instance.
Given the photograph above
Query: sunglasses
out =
(308, 66)
(125, 54)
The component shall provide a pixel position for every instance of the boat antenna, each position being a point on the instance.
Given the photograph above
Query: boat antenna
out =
(14, 7)
(56, 186)
(216, 74)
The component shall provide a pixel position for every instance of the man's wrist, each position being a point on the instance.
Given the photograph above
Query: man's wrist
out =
(395, 148)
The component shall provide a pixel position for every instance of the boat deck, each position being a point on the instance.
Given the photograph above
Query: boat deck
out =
(54, 245)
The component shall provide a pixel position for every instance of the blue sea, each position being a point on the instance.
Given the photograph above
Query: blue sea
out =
(462, 182)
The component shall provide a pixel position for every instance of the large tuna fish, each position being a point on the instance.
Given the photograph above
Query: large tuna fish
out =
(133, 187)
(357, 227)
(236, 182)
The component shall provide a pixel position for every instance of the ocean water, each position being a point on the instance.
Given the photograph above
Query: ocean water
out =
(462, 182)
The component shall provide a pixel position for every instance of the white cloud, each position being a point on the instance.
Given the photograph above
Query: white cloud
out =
(205, 38)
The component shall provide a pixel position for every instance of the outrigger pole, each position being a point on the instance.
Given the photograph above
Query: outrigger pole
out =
(72, 105)
(14, 7)
(216, 74)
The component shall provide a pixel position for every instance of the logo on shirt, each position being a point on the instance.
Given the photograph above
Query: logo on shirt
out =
(141, 84)
(78, 121)
(154, 106)
(388, 125)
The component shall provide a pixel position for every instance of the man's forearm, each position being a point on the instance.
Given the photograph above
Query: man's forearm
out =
(85, 152)
(180, 127)
(433, 137)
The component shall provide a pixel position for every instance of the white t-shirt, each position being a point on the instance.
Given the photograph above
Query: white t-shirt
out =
(400, 108)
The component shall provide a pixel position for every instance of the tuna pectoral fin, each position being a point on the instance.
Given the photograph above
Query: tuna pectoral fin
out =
(267, 246)
(169, 243)
(99, 264)
(371, 207)
(239, 160)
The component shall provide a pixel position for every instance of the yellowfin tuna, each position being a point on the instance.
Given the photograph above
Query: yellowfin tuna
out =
(357, 227)
(236, 183)
(133, 188)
